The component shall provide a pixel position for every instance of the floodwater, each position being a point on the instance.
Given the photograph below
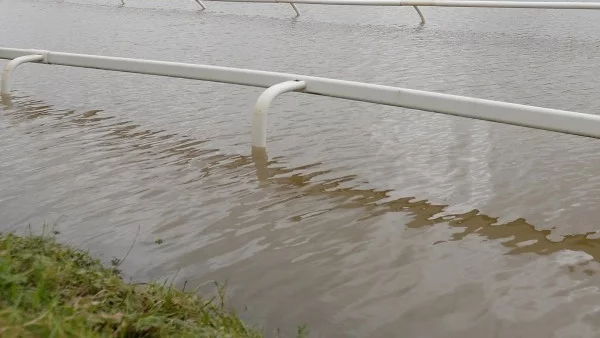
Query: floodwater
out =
(367, 220)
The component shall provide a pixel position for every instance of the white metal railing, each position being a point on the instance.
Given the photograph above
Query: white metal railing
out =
(278, 83)
(425, 3)
(443, 3)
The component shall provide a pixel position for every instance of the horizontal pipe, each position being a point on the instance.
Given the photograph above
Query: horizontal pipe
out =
(444, 3)
(325, 2)
(504, 4)
(488, 110)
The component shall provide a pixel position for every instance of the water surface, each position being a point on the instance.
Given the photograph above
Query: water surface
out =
(367, 220)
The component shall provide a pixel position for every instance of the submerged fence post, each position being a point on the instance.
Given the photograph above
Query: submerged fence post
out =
(6, 101)
(259, 118)
(10, 67)
(261, 163)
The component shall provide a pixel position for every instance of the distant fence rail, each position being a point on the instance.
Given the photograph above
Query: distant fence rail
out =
(278, 83)
(425, 3)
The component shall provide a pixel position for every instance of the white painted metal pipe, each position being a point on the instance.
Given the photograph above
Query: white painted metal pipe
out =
(435, 3)
(503, 4)
(10, 67)
(509, 113)
(259, 118)
(326, 2)
(443, 3)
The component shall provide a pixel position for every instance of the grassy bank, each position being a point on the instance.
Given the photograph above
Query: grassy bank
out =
(49, 290)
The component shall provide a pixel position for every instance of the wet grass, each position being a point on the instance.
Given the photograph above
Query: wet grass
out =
(51, 290)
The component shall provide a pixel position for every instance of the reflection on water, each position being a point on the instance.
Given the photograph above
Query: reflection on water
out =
(362, 220)
(329, 218)
(518, 235)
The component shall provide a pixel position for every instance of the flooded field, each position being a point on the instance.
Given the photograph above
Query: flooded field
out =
(368, 221)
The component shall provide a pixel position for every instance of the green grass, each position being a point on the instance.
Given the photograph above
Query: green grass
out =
(50, 290)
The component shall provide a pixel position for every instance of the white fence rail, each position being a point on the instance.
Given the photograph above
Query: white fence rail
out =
(427, 3)
(278, 83)
(443, 3)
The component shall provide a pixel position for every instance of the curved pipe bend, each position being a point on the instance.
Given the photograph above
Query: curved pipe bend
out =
(259, 118)
(10, 67)
(420, 14)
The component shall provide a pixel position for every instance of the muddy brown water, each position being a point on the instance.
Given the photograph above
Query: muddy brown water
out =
(367, 220)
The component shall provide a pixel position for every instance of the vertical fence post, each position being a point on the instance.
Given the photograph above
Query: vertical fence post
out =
(259, 117)
(420, 14)
(201, 4)
(295, 8)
